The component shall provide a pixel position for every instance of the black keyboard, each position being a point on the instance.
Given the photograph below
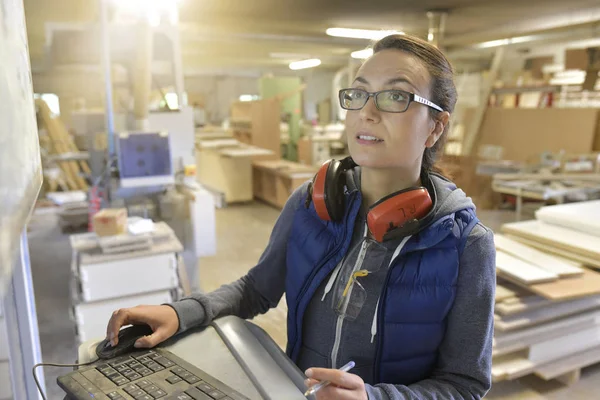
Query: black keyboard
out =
(145, 375)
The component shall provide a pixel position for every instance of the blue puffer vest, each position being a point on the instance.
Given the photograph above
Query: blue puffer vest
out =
(415, 300)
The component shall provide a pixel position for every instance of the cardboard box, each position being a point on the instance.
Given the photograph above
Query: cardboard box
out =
(110, 222)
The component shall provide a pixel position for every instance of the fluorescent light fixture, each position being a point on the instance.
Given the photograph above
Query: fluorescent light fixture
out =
(361, 33)
(504, 42)
(310, 63)
(248, 97)
(362, 54)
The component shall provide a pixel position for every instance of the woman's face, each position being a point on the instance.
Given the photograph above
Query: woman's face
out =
(401, 137)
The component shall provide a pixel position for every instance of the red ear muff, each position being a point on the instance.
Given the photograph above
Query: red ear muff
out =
(328, 189)
(399, 213)
(319, 197)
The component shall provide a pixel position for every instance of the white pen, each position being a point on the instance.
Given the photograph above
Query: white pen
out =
(323, 384)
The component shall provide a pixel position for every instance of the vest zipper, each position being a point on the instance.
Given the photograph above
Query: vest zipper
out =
(307, 283)
(381, 307)
(340, 319)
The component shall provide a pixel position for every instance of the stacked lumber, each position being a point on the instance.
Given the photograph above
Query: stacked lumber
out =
(547, 314)
(63, 146)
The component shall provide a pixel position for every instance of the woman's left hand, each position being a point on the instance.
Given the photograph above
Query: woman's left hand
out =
(344, 385)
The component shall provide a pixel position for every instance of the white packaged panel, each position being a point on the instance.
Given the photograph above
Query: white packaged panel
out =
(5, 383)
(583, 216)
(91, 318)
(545, 261)
(128, 277)
(522, 270)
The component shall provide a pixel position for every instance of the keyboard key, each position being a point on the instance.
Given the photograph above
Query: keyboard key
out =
(120, 381)
(134, 376)
(157, 394)
(119, 360)
(126, 371)
(178, 370)
(165, 362)
(113, 395)
(136, 393)
(197, 394)
(151, 388)
(205, 387)
(153, 355)
(143, 383)
(108, 371)
(185, 375)
(192, 379)
(155, 367)
(215, 394)
(144, 359)
(131, 387)
(179, 396)
(121, 367)
(145, 372)
(144, 397)
(103, 367)
(173, 379)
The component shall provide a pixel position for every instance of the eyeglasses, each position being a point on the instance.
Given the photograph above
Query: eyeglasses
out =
(394, 101)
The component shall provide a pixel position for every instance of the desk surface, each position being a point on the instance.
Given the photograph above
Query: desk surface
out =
(237, 353)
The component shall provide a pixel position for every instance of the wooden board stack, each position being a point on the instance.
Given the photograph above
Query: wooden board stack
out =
(547, 315)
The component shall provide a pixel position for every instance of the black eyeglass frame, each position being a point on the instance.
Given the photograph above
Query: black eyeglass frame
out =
(412, 97)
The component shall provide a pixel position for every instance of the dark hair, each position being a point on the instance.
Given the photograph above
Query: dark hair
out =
(443, 90)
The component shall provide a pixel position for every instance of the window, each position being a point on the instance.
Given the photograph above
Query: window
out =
(51, 99)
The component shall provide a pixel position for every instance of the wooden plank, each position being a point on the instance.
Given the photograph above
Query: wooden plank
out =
(511, 366)
(549, 263)
(503, 292)
(559, 347)
(566, 364)
(557, 252)
(582, 216)
(556, 311)
(565, 289)
(522, 271)
(589, 177)
(521, 304)
(567, 239)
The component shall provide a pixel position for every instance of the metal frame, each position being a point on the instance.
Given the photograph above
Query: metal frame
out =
(22, 328)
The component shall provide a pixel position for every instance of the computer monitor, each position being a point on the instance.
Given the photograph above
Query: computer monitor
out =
(144, 159)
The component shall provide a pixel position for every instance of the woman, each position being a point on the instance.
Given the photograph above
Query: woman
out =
(384, 263)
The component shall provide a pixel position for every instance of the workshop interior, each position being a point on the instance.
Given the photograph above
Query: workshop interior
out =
(148, 148)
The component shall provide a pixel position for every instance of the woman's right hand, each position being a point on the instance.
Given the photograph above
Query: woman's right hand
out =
(162, 320)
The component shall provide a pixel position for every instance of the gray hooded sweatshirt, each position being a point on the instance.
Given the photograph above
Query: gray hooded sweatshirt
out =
(463, 369)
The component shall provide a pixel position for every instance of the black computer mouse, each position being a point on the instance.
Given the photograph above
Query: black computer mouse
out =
(127, 338)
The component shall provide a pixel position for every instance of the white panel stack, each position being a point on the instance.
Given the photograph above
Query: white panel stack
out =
(547, 318)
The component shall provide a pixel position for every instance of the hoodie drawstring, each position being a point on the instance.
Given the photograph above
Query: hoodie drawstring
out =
(336, 271)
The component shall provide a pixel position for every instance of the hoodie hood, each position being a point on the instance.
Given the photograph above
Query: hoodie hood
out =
(447, 197)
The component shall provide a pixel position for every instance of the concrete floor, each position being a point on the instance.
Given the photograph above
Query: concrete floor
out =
(242, 233)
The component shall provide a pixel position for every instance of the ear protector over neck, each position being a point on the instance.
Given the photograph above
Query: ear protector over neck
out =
(398, 214)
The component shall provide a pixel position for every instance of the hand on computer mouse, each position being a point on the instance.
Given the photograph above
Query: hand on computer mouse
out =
(162, 319)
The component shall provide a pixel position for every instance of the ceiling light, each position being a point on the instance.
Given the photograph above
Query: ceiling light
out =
(310, 63)
(361, 33)
(362, 54)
